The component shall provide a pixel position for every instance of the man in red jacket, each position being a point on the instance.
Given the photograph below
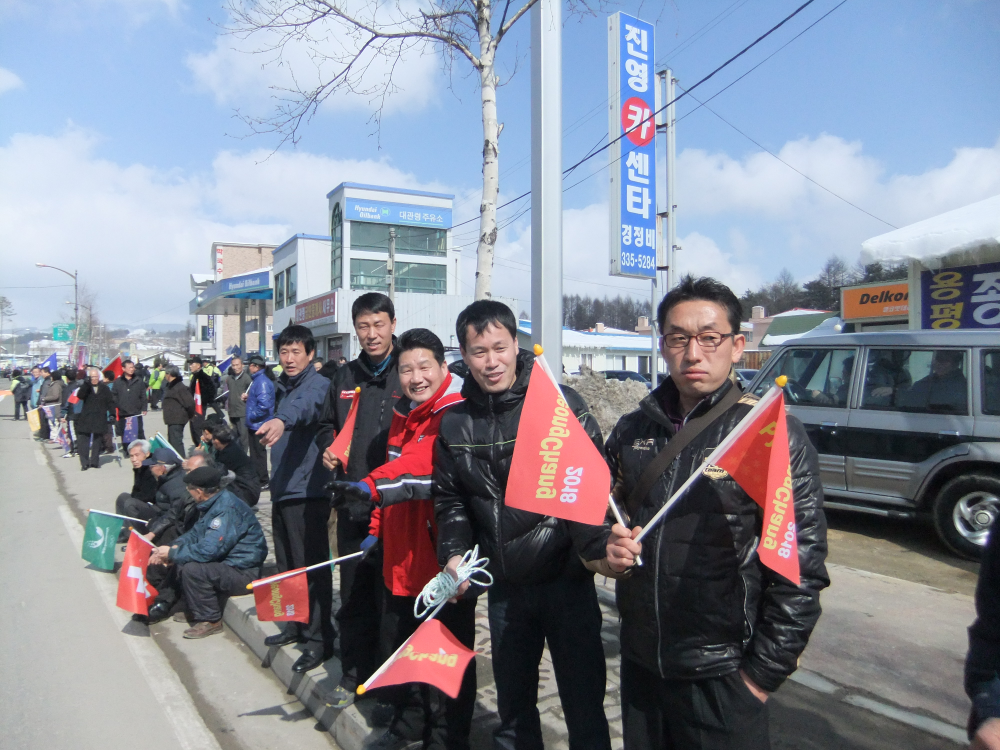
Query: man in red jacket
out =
(404, 524)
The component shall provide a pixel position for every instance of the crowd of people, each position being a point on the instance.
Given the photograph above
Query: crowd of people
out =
(707, 631)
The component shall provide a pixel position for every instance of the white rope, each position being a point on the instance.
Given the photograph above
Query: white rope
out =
(443, 587)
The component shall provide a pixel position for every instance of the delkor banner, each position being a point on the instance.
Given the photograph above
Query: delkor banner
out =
(962, 297)
(631, 89)
(875, 301)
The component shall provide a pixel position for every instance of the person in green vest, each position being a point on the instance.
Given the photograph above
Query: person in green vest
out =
(157, 378)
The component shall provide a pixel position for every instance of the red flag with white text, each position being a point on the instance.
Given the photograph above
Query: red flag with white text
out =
(134, 592)
(556, 469)
(341, 446)
(432, 655)
(115, 366)
(198, 409)
(759, 461)
(282, 601)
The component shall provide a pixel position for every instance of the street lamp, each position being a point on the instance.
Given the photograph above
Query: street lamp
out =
(90, 327)
(76, 303)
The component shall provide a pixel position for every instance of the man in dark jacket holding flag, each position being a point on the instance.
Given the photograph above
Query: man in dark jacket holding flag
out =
(541, 591)
(707, 630)
(202, 389)
(130, 401)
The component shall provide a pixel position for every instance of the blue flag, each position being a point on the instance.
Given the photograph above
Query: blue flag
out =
(51, 362)
(224, 364)
(131, 431)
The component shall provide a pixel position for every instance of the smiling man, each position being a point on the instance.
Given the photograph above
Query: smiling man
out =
(707, 630)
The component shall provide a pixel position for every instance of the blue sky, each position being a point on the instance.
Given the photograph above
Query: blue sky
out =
(120, 153)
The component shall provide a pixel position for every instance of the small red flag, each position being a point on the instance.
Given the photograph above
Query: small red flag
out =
(341, 446)
(556, 469)
(73, 398)
(431, 655)
(134, 591)
(758, 460)
(116, 366)
(197, 398)
(282, 601)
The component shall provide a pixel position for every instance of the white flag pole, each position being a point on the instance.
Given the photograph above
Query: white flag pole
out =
(363, 688)
(105, 513)
(298, 571)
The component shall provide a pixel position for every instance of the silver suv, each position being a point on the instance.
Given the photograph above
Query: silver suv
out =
(905, 423)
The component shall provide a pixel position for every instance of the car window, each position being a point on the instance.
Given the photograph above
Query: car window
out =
(928, 381)
(991, 382)
(816, 377)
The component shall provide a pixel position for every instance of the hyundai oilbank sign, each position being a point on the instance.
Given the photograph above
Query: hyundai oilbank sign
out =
(381, 212)
(633, 157)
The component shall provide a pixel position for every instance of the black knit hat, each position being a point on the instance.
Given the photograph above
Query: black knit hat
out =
(204, 477)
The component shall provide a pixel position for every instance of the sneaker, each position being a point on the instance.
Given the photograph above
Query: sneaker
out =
(203, 629)
(341, 697)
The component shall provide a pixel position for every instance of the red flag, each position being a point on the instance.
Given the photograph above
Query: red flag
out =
(116, 366)
(73, 398)
(556, 469)
(341, 446)
(431, 655)
(134, 591)
(758, 459)
(197, 398)
(284, 600)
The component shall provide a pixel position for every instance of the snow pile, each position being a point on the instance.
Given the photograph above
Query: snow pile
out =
(608, 400)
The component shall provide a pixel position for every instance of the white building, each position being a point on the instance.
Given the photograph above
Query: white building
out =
(599, 350)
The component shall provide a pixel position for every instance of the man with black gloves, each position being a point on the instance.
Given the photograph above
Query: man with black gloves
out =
(708, 631)
(230, 456)
(375, 372)
(541, 590)
(300, 506)
(130, 399)
(404, 523)
(219, 556)
(202, 389)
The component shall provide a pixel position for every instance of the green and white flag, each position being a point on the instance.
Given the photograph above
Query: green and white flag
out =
(158, 441)
(100, 538)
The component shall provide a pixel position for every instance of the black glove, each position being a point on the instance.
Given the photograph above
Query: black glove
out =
(354, 498)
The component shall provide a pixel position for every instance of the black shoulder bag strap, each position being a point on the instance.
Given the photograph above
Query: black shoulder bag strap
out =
(675, 445)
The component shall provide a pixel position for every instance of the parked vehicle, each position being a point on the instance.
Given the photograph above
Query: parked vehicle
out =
(745, 376)
(624, 375)
(906, 423)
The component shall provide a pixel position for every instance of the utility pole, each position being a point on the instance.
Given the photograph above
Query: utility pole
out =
(390, 265)
(546, 180)
(76, 303)
(666, 212)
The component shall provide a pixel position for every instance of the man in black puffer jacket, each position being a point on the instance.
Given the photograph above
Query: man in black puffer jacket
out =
(541, 590)
(707, 630)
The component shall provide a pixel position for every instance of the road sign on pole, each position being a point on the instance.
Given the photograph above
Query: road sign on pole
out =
(63, 332)
(631, 106)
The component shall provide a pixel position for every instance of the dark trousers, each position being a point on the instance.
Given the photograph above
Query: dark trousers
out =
(718, 713)
(240, 426)
(423, 713)
(126, 505)
(299, 528)
(89, 446)
(175, 436)
(206, 585)
(120, 429)
(565, 613)
(46, 431)
(20, 406)
(258, 456)
(361, 590)
(108, 438)
(154, 398)
(197, 428)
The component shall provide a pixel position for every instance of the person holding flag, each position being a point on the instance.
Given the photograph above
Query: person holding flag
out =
(541, 591)
(202, 389)
(727, 595)
(129, 391)
(92, 421)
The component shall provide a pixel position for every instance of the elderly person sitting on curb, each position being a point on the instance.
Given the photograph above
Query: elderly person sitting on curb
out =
(219, 556)
(139, 502)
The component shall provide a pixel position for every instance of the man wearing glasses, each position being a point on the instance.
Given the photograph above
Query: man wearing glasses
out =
(707, 631)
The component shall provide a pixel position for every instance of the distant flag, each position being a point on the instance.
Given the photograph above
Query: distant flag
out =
(432, 655)
(73, 398)
(284, 599)
(51, 362)
(158, 441)
(5, 394)
(134, 591)
(556, 469)
(81, 356)
(99, 539)
(224, 364)
(62, 436)
(341, 446)
(34, 419)
(115, 366)
(198, 409)
(131, 431)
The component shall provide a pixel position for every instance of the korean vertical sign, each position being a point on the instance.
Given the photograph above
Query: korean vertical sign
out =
(631, 83)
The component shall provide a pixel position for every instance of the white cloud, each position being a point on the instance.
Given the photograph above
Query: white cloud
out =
(238, 73)
(136, 233)
(9, 81)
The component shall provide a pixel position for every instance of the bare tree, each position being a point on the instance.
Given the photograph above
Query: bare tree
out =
(370, 31)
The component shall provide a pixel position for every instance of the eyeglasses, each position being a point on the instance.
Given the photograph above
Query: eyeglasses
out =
(709, 341)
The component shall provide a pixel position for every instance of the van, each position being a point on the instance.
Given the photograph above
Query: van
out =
(906, 424)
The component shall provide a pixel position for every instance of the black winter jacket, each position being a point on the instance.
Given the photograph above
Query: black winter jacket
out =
(178, 403)
(246, 486)
(207, 389)
(471, 462)
(97, 404)
(170, 488)
(703, 605)
(379, 394)
(982, 664)
(130, 395)
(144, 484)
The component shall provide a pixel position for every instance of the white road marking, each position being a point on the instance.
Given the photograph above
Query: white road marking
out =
(191, 732)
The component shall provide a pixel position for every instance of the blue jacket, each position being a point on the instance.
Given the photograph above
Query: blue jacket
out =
(260, 400)
(297, 460)
(226, 531)
(36, 391)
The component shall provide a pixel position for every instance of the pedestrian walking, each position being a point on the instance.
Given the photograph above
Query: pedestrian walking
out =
(178, 407)
(259, 400)
(238, 381)
(93, 420)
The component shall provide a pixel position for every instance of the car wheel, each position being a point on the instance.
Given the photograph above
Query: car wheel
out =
(964, 512)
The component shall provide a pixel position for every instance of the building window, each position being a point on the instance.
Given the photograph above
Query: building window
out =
(409, 240)
(644, 365)
(587, 360)
(292, 283)
(279, 290)
(204, 334)
(422, 278)
(337, 248)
